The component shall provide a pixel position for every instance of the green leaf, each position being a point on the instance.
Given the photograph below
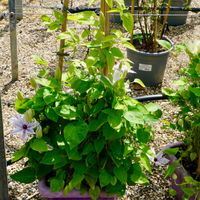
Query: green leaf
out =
(88, 149)
(66, 111)
(188, 191)
(91, 181)
(129, 46)
(39, 145)
(121, 174)
(110, 3)
(179, 82)
(121, 133)
(127, 22)
(136, 80)
(102, 19)
(117, 52)
(81, 85)
(39, 60)
(75, 133)
(77, 179)
(91, 2)
(99, 144)
(134, 116)
(146, 162)
(164, 43)
(172, 151)
(94, 193)
(116, 147)
(114, 180)
(107, 131)
(138, 176)
(85, 34)
(109, 38)
(51, 114)
(17, 155)
(59, 16)
(94, 125)
(193, 156)
(149, 118)
(97, 108)
(61, 163)
(143, 136)
(44, 73)
(51, 157)
(172, 192)
(152, 107)
(26, 175)
(104, 179)
(196, 91)
(64, 35)
(53, 27)
(46, 20)
(73, 154)
(170, 170)
(55, 185)
(115, 120)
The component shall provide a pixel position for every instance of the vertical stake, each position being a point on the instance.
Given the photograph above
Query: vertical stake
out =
(3, 172)
(19, 9)
(155, 27)
(13, 40)
(165, 19)
(62, 42)
(106, 30)
(132, 12)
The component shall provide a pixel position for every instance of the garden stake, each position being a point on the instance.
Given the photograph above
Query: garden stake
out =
(106, 30)
(155, 27)
(132, 12)
(62, 42)
(165, 19)
(3, 172)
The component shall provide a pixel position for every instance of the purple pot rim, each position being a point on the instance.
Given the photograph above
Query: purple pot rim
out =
(45, 191)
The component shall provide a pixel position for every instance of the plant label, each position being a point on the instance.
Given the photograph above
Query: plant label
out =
(144, 67)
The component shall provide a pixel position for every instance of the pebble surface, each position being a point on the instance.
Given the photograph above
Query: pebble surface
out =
(33, 40)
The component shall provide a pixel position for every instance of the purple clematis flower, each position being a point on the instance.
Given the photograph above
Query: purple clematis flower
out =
(159, 158)
(22, 126)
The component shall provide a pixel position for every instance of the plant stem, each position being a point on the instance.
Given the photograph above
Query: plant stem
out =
(62, 42)
(198, 168)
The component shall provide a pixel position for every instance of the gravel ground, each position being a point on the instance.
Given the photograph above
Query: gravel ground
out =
(33, 40)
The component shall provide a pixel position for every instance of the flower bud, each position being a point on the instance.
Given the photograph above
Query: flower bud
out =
(28, 116)
(39, 132)
(33, 83)
(19, 96)
(42, 117)
(45, 130)
(57, 73)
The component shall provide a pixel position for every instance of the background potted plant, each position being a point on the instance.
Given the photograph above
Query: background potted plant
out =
(88, 138)
(185, 167)
(152, 48)
(176, 20)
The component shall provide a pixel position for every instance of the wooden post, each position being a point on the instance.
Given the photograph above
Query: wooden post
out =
(13, 40)
(62, 42)
(19, 9)
(3, 172)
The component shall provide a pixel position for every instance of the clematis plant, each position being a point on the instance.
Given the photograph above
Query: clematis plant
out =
(97, 133)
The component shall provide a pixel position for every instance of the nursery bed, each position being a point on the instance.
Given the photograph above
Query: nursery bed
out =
(33, 40)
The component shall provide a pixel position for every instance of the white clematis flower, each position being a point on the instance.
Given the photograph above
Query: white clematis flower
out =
(159, 158)
(193, 48)
(22, 126)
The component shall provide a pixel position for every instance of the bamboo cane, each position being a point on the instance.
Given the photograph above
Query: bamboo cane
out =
(155, 27)
(132, 12)
(106, 30)
(62, 42)
(198, 168)
(165, 19)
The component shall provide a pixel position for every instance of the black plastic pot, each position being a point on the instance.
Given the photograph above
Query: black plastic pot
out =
(149, 67)
(176, 20)
(180, 173)
(116, 17)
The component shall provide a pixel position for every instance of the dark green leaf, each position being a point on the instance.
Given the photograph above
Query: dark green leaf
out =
(121, 174)
(75, 133)
(99, 144)
(170, 170)
(172, 151)
(51, 157)
(26, 175)
(51, 114)
(94, 193)
(104, 179)
(39, 145)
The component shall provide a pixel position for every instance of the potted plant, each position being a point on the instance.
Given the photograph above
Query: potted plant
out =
(152, 48)
(185, 156)
(177, 19)
(88, 139)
